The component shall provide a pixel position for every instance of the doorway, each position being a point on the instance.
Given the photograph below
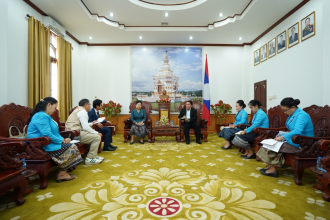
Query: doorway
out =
(260, 92)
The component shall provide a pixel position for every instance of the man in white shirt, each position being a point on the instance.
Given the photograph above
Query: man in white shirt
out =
(78, 120)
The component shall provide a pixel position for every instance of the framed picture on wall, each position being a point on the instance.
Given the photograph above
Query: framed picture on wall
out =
(263, 51)
(308, 28)
(281, 42)
(293, 35)
(271, 48)
(256, 57)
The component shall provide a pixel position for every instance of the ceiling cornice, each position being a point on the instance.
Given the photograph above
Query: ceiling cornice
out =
(214, 45)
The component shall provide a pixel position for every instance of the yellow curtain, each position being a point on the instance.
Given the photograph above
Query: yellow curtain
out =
(39, 62)
(64, 77)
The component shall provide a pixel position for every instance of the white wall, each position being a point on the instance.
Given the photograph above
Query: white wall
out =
(297, 72)
(3, 51)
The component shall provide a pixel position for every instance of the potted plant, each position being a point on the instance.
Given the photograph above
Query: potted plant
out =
(221, 110)
(111, 110)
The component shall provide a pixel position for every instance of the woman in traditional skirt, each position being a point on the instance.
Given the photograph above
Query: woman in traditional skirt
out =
(240, 118)
(298, 123)
(138, 117)
(63, 153)
(247, 137)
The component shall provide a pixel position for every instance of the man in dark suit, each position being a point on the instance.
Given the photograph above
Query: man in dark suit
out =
(256, 60)
(294, 36)
(189, 115)
(93, 115)
(281, 44)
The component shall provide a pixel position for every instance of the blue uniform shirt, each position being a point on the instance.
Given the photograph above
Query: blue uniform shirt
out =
(138, 117)
(260, 120)
(241, 118)
(300, 123)
(42, 125)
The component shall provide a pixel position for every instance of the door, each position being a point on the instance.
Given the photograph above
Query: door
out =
(260, 92)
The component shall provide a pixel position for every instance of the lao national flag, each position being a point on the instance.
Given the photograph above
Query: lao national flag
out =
(206, 95)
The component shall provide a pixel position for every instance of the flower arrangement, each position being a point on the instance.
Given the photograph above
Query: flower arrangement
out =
(221, 109)
(164, 101)
(163, 121)
(111, 109)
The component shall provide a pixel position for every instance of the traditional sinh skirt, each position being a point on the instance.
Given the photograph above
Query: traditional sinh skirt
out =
(276, 159)
(66, 157)
(139, 131)
(245, 141)
(228, 133)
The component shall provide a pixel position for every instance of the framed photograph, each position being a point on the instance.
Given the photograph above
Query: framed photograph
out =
(256, 57)
(293, 35)
(271, 48)
(308, 26)
(281, 42)
(263, 51)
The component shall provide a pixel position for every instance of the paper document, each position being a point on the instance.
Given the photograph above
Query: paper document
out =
(238, 132)
(272, 145)
(100, 119)
(111, 126)
(223, 127)
(74, 141)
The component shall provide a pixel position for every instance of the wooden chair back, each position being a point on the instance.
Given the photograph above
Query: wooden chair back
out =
(321, 121)
(277, 117)
(145, 105)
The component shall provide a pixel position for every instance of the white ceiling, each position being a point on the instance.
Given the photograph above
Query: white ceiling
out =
(76, 20)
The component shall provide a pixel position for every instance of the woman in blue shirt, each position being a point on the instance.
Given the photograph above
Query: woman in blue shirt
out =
(240, 118)
(247, 137)
(138, 117)
(298, 123)
(41, 124)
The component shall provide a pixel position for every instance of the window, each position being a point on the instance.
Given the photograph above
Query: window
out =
(53, 64)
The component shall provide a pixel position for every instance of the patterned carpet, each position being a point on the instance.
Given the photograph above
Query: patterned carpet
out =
(167, 180)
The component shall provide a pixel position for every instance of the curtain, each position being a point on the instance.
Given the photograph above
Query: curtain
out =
(64, 77)
(38, 62)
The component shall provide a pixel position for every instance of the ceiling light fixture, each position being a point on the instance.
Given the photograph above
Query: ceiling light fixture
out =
(186, 49)
(191, 37)
(111, 14)
(140, 37)
(144, 49)
(90, 38)
(240, 38)
(220, 15)
(166, 14)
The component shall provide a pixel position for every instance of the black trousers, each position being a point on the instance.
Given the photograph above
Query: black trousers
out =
(107, 134)
(195, 126)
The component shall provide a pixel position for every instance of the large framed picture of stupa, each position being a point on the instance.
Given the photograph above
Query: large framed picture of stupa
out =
(173, 73)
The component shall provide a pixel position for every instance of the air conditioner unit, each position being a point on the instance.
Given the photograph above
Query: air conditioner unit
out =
(54, 26)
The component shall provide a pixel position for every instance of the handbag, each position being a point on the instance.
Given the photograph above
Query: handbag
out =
(20, 134)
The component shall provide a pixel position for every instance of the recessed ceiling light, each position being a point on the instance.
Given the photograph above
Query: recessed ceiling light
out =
(111, 14)
(166, 14)
(240, 38)
(90, 38)
(140, 37)
(144, 49)
(186, 49)
(191, 37)
(220, 15)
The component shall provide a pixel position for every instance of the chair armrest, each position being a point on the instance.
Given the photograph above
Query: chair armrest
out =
(66, 134)
(256, 130)
(149, 123)
(298, 139)
(242, 126)
(181, 123)
(323, 144)
(308, 146)
(46, 140)
(203, 123)
(128, 123)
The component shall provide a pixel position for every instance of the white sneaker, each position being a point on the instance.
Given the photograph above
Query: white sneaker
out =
(92, 161)
(99, 158)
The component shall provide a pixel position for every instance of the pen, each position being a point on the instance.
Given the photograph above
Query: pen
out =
(69, 135)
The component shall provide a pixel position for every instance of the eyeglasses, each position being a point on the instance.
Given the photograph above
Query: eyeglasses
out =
(285, 110)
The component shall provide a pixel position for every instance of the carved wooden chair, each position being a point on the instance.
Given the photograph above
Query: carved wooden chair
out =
(128, 122)
(37, 159)
(202, 122)
(11, 176)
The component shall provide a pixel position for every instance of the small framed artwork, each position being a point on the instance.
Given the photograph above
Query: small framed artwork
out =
(308, 26)
(263, 51)
(271, 48)
(293, 35)
(256, 57)
(281, 42)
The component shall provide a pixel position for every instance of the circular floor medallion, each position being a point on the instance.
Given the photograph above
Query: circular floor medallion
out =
(164, 207)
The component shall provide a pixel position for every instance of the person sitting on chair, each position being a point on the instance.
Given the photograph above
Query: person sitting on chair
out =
(93, 115)
(298, 123)
(78, 120)
(247, 137)
(138, 117)
(240, 118)
(189, 115)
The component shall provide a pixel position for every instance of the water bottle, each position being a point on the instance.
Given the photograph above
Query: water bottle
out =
(24, 166)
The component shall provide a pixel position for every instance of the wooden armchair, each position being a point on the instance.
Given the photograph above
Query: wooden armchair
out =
(323, 177)
(11, 176)
(128, 122)
(202, 122)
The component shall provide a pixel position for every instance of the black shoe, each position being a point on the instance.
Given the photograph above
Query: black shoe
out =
(230, 147)
(113, 146)
(243, 155)
(198, 142)
(141, 142)
(187, 142)
(108, 148)
(253, 156)
(264, 169)
(273, 174)
(131, 143)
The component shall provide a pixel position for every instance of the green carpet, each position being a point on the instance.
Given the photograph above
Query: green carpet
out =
(167, 180)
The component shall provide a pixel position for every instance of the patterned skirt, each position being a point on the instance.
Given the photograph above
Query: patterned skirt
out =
(139, 131)
(66, 157)
(276, 159)
(245, 141)
(227, 133)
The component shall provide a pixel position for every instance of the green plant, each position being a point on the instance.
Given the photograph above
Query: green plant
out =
(220, 110)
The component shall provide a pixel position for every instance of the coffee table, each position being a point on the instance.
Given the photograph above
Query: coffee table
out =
(166, 130)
